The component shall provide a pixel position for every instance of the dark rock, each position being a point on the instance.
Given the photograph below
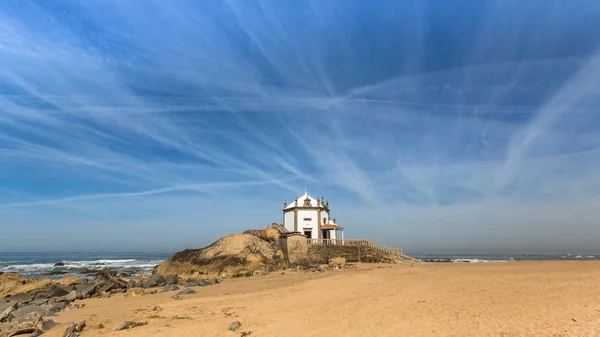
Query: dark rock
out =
(108, 286)
(104, 275)
(85, 290)
(59, 264)
(37, 333)
(74, 329)
(76, 306)
(70, 297)
(129, 325)
(117, 291)
(56, 307)
(235, 325)
(193, 284)
(40, 301)
(6, 310)
(171, 279)
(149, 283)
(159, 279)
(176, 297)
(47, 325)
(32, 308)
(26, 324)
(170, 287)
(21, 298)
(133, 284)
(120, 284)
(157, 308)
(213, 281)
(55, 290)
(187, 291)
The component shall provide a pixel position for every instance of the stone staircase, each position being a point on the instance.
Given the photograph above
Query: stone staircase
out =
(279, 228)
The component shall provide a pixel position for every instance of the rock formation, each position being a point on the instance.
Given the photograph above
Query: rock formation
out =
(11, 281)
(231, 256)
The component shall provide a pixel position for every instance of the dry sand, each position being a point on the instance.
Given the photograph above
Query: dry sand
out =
(492, 299)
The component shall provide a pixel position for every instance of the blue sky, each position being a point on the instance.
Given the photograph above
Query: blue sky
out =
(437, 126)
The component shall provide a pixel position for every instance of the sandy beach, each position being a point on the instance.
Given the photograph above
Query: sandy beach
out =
(484, 299)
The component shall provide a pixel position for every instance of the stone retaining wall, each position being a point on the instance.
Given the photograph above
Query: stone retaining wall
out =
(323, 253)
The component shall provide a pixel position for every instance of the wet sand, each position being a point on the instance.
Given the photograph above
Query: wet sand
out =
(485, 299)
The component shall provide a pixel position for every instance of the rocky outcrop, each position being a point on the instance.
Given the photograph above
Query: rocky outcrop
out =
(10, 281)
(269, 234)
(22, 312)
(31, 325)
(231, 256)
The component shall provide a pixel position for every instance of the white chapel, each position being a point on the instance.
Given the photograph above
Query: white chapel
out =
(311, 217)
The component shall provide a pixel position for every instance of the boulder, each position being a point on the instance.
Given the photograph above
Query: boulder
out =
(134, 292)
(32, 286)
(85, 290)
(54, 290)
(40, 301)
(129, 325)
(47, 325)
(212, 281)
(200, 283)
(149, 283)
(134, 284)
(56, 307)
(269, 234)
(42, 310)
(10, 281)
(108, 285)
(234, 326)
(26, 324)
(171, 279)
(142, 277)
(337, 262)
(19, 299)
(170, 287)
(226, 257)
(159, 279)
(59, 264)
(74, 329)
(187, 291)
(6, 310)
(70, 297)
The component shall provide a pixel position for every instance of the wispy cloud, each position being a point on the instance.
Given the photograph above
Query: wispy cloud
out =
(111, 110)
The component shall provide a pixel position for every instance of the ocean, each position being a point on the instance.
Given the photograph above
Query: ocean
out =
(475, 258)
(78, 264)
(82, 264)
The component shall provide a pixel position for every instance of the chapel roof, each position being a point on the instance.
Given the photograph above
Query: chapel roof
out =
(331, 226)
(312, 202)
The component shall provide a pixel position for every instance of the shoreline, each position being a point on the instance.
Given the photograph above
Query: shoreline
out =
(538, 298)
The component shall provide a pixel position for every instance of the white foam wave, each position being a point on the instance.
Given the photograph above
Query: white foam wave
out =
(477, 261)
(21, 267)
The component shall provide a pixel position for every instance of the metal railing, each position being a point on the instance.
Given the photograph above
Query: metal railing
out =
(353, 242)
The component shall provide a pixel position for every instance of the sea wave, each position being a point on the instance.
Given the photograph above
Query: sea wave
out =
(79, 267)
(478, 261)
